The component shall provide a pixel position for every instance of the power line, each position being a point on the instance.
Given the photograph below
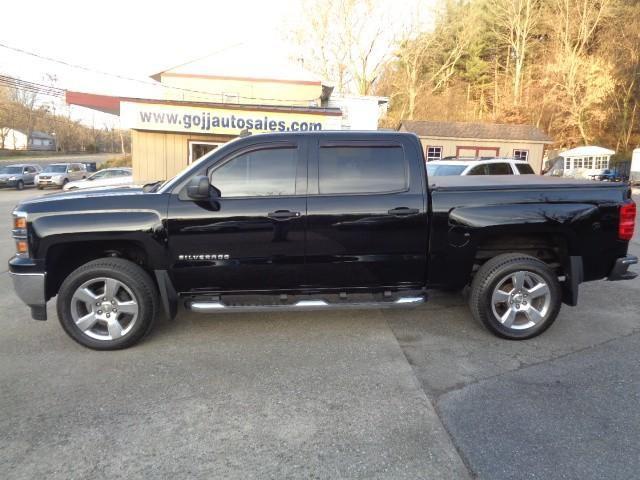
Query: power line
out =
(145, 82)
(32, 87)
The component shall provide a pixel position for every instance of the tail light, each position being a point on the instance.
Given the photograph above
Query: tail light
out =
(627, 220)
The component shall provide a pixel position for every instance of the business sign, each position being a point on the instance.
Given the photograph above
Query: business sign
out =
(226, 121)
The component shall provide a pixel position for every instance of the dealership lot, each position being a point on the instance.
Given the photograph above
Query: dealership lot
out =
(423, 393)
(59, 158)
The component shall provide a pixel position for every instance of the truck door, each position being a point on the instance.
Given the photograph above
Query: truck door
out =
(253, 239)
(367, 215)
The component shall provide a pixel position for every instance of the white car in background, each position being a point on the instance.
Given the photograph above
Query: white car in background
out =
(493, 166)
(109, 177)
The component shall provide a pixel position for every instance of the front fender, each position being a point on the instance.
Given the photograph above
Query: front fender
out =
(144, 227)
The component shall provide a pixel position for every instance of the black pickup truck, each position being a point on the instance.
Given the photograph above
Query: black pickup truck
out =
(314, 221)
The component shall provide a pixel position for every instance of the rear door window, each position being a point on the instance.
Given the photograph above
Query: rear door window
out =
(524, 169)
(362, 169)
(499, 169)
(478, 170)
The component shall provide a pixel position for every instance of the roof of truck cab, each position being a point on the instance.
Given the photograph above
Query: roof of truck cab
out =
(512, 182)
(332, 133)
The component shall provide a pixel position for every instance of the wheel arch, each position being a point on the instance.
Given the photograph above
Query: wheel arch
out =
(64, 257)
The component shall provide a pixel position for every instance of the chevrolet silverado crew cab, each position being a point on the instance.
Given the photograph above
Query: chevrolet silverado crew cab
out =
(314, 221)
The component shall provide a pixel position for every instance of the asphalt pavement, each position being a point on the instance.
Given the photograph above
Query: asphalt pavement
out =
(424, 393)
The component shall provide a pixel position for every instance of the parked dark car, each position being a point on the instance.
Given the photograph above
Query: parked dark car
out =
(91, 166)
(608, 176)
(19, 175)
(314, 221)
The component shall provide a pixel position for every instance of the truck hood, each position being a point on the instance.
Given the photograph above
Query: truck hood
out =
(76, 201)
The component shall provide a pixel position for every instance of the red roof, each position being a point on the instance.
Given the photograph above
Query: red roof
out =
(104, 103)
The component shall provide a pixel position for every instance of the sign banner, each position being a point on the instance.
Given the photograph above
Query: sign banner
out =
(226, 121)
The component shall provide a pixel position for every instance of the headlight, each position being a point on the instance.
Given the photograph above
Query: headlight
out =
(13, 178)
(19, 233)
(57, 177)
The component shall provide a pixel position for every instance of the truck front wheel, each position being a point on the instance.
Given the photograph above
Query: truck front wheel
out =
(515, 296)
(107, 304)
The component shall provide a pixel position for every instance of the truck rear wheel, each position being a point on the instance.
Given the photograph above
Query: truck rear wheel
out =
(515, 296)
(107, 304)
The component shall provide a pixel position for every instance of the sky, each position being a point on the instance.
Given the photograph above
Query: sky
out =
(137, 38)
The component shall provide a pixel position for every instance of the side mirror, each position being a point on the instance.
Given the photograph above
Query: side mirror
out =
(198, 188)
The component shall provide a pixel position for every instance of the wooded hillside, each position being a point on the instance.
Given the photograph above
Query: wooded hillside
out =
(571, 67)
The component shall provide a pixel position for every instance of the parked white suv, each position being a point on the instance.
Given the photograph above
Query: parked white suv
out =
(493, 166)
(59, 174)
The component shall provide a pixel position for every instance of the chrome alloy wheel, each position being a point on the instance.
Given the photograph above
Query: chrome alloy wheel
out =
(104, 308)
(521, 300)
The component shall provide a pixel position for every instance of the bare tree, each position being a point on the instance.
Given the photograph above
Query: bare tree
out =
(579, 82)
(514, 24)
(343, 41)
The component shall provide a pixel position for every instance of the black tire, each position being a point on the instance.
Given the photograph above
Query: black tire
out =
(64, 182)
(132, 277)
(19, 185)
(39, 187)
(495, 273)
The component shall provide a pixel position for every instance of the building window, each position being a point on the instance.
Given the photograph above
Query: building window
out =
(567, 163)
(588, 163)
(521, 155)
(199, 149)
(602, 162)
(577, 162)
(434, 153)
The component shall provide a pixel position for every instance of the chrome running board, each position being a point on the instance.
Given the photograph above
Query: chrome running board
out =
(214, 306)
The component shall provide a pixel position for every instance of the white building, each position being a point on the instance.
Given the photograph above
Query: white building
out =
(12, 139)
(585, 161)
(359, 112)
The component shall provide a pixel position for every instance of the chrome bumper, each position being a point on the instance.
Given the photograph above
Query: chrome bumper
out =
(620, 270)
(30, 288)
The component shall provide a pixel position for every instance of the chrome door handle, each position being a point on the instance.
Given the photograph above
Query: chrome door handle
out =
(403, 211)
(283, 214)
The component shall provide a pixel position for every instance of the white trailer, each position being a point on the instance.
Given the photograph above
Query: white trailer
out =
(634, 171)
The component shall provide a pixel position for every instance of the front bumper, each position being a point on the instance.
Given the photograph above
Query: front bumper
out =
(620, 270)
(30, 288)
(50, 183)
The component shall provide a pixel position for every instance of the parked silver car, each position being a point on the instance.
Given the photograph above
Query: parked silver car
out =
(59, 174)
(109, 177)
(19, 175)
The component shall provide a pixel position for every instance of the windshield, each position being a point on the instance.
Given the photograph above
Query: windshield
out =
(55, 169)
(10, 170)
(443, 170)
